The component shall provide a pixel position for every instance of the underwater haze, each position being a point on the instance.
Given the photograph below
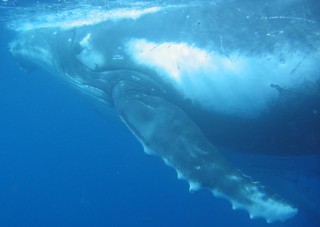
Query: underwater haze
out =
(160, 113)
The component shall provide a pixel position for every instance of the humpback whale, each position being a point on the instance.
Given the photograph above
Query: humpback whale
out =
(187, 79)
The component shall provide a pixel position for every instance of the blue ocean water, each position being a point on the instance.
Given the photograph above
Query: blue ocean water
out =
(62, 163)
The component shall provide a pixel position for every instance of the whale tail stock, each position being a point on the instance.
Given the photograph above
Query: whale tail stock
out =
(166, 131)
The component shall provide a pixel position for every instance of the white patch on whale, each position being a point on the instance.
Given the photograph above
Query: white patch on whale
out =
(235, 84)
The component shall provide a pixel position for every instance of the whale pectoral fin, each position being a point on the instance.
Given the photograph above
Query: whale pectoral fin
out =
(166, 131)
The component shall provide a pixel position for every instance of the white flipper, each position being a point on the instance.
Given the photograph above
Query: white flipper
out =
(166, 131)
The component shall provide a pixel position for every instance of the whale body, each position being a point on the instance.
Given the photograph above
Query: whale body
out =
(187, 79)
